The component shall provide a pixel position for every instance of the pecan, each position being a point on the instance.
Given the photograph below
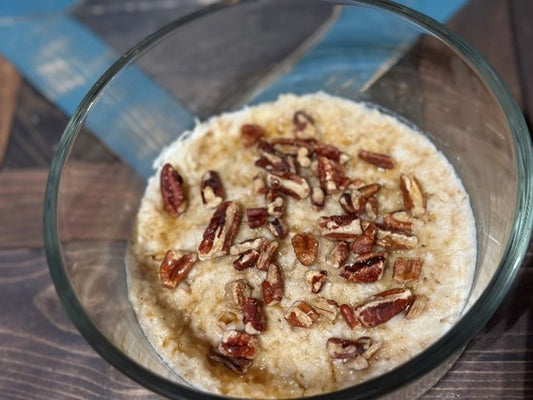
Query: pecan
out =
(301, 315)
(172, 193)
(256, 216)
(380, 160)
(266, 254)
(238, 344)
(277, 228)
(318, 197)
(252, 316)
(237, 365)
(248, 259)
(372, 208)
(407, 269)
(273, 285)
(363, 244)
(398, 221)
(290, 184)
(304, 125)
(413, 196)
(238, 291)
(292, 147)
(305, 247)
(352, 353)
(212, 189)
(339, 227)
(316, 280)
(348, 315)
(331, 152)
(330, 174)
(274, 204)
(352, 202)
(395, 240)
(271, 161)
(338, 255)
(221, 231)
(173, 268)
(383, 306)
(369, 190)
(239, 248)
(366, 268)
(418, 306)
(251, 133)
(259, 184)
(329, 309)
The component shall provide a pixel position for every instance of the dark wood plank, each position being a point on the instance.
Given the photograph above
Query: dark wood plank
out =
(9, 89)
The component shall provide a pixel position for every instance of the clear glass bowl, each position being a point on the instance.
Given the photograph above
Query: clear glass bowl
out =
(238, 53)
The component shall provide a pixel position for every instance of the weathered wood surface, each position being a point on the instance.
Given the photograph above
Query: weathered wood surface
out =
(9, 88)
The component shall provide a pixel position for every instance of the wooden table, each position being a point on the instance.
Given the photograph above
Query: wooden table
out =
(41, 353)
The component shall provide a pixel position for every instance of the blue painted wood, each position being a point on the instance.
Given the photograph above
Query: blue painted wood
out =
(19, 8)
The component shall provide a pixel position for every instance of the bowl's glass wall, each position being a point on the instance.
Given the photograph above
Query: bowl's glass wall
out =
(237, 56)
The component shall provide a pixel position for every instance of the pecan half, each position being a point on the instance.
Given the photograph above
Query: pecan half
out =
(273, 285)
(383, 306)
(277, 228)
(213, 192)
(407, 269)
(418, 306)
(256, 216)
(338, 255)
(316, 280)
(398, 221)
(239, 248)
(266, 254)
(238, 291)
(290, 184)
(348, 315)
(174, 269)
(301, 315)
(365, 269)
(413, 196)
(395, 240)
(304, 125)
(328, 309)
(172, 193)
(252, 316)
(305, 247)
(248, 259)
(380, 160)
(331, 152)
(352, 353)
(339, 227)
(238, 365)
(251, 133)
(238, 344)
(221, 231)
(330, 174)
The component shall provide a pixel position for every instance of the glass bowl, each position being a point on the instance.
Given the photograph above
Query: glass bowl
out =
(237, 53)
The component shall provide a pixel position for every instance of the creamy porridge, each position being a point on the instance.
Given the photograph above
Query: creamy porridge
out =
(298, 247)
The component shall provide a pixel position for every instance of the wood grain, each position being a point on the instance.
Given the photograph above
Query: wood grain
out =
(9, 88)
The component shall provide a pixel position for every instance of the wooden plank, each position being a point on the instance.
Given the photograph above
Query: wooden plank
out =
(9, 89)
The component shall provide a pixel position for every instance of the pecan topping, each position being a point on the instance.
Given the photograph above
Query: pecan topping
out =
(330, 174)
(366, 268)
(212, 189)
(266, 254)
(372, 208)
(352, 353)
(290, 184)
(251, 133)
(173, 268)
(316, 280)
(331, 152)
(238, 291)
(221, 231)
(370, 190)
(252, 316)
(363, 244)
(407, 269)
(395, 240)
(248, 259)
(413, 196)
(418, 307)
(237, 344)
(271, 161)
(339, 227)
(301, 315)
(377, 159)
(398, 221)
(383, 306)
(171, 185)
(239, 248)
(305, 247)
(304, 125)
(256, 216)
(352, 202)
(273, 285)
(274, 204)
(338, 255)
(259, 184)
(348, 315)
(318, 197)
(276, 227)
(329, 309)
(237, 365)
(292, 147)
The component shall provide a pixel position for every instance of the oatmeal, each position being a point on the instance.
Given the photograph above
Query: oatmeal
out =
(299, 247)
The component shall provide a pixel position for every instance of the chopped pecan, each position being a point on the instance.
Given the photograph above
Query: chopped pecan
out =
(237, 344)
(292, 146)
(274, 204)
(395, 240)
(248, 259)
(304, 125)
(407, 269)
(238, 291)
(366, 268)
(363, 244)
(273, 285)
(352, 353)
(316, 280)
(277, 228)
(418, 306)
(237, 365)
(221, 231)
(212, 189)
(259, 184)
(383, 306)
(239, 248)
(256, 216)
(413, 196)
(328, 309)
(174, 268)
(330, 174)
(252, 316)
(331, 152)
(301, 315)
(352, 202)
(338, 255)
(370, 190)
(372, 208)
(251, 133)
(318, 197)
(305, 247)
(348, 315)
(271, 161)
(339, 227)
(398, 221)
(172, 193)
(290, 184)
(380, 160)
(266, 254)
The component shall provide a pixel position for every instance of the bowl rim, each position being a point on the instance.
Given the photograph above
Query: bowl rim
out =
(444, 349)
